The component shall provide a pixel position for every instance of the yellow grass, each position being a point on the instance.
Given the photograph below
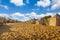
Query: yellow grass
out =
(27, 31)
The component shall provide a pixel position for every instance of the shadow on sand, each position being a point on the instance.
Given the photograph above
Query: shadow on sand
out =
(4, 28)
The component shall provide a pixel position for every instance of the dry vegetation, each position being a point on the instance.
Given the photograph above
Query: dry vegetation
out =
(27, 31)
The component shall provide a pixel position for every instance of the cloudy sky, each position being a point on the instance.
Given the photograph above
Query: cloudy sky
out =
(27, 9)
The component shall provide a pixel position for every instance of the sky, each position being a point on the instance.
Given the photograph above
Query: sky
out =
(24, 10)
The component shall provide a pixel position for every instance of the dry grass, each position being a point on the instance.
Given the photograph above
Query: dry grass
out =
(27, 31)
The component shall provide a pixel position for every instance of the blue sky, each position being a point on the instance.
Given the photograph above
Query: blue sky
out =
(27, 9)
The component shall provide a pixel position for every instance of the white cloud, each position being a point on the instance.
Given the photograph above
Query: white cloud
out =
(47, 14)
(4, 15)
(17, 2)
(18, 14)
(25, 17)
(55, 4)
(42, 15)
(4, 6)
(34, 15)
(51, 14)
(43, 3)
(27, 14)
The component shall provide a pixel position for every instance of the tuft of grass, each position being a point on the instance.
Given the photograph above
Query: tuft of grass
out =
(28, 31)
